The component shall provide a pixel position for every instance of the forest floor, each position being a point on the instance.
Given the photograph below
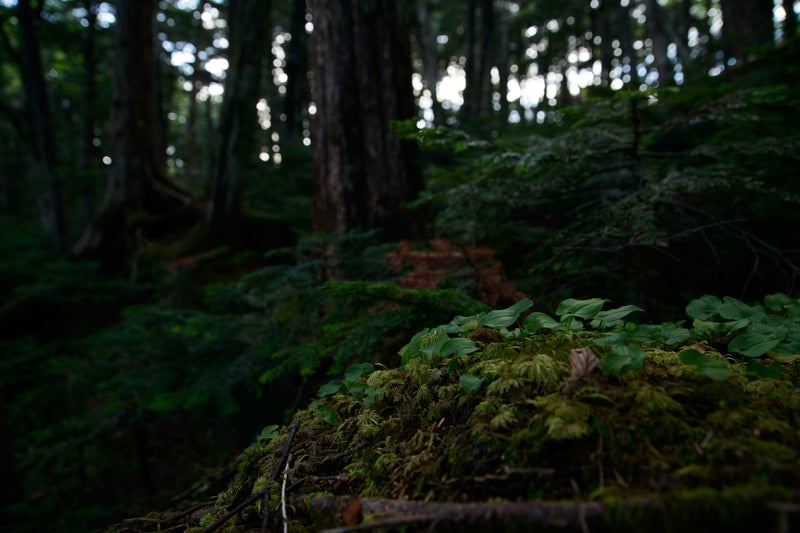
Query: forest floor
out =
(509, 430)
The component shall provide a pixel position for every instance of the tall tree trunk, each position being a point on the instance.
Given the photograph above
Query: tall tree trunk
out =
(36, 89)
(479, 35)
(88, 153)
(745, 24)
(426, 40)
(249, 42)
(193, 161)
(364, 174)
(655, 28)
(790, 22)
(503, 62)
(600, 22)
(136, 181)
(297, 87)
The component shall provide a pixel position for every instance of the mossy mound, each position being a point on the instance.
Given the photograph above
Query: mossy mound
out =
(513, 434)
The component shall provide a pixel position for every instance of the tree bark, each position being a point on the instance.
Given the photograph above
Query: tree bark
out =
(479, 35)
(249, 41)
(790, 22)
(297, 65)
(88, 159)
(364, 174)
(746, 23)
(52, 207)
(137, 180)
(426, 40)
(655, 27)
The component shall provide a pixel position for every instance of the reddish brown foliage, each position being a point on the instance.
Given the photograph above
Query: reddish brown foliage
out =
(433, 267)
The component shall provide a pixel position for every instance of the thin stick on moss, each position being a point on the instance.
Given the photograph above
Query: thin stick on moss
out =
(284, 460)
(262, 493)
(283, 495)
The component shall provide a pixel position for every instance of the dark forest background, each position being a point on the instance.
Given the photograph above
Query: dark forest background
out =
(209, 208)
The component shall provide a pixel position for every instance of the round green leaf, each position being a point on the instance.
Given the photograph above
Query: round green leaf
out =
(470, 382)
(711, 368)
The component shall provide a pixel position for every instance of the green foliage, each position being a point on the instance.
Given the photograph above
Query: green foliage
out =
(750, 330)
(711, 368)
(644, 196)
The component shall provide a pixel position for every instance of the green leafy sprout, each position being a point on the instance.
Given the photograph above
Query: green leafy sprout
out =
(756, 332)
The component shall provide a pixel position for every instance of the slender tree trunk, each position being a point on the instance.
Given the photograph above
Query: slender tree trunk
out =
(790, 22)
(297, 65)
(249, 43)
(601, 26)
(88, 153)
(364, 174)
(136, 182)
(426, 41)
(36, 89)
(479, 35)
(503, 62)
(655, 27)
(193, 161)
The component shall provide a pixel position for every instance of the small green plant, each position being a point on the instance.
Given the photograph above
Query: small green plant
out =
(353, 384)
(770, 330)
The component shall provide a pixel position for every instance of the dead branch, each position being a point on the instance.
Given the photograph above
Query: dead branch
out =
(403, 512)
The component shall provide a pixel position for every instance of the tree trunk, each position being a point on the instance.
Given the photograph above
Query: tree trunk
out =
(36, 89)
(136, 181)
(746, 23)
(364, 174)
(87, 161)
(426, 40)
(249, 41)
(297, 88)
(479, 35)
(790, 22)
(655, 27)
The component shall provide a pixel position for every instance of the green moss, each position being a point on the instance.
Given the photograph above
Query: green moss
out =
(661, 448)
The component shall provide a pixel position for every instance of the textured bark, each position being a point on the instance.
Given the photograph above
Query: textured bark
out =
(36, 89)
(249, 42)
(479, 35)
(136, 181)
(364, 174)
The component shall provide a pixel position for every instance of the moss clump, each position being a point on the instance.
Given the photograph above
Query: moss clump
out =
(659, 447)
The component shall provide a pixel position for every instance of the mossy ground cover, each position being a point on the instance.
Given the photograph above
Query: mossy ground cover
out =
(513, 428)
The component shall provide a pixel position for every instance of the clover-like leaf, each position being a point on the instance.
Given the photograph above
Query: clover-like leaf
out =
(755, 366)
(704, 308)
(706, 366)
(502, 318)
(621, 358)
(470, 382)
(754, 343)
(330, 388)
(535, 321)
(354, 372)
(612, 317)
(733, 309)
(579, 308)
(777, 302)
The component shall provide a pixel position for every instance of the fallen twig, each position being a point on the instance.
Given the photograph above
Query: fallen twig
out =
(263, 493)
(283, 496)
(403, 512)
